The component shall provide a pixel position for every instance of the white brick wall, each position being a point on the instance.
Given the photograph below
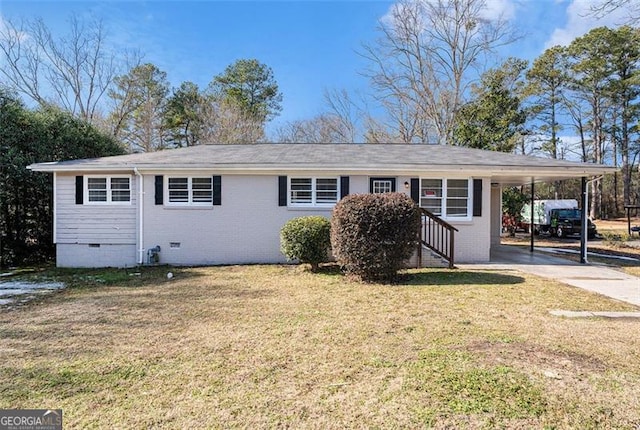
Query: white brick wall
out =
(244, 229)
(472, 243)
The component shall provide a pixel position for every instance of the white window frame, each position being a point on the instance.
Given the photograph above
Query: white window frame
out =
(313, 203)
(189, 202)
(109, 190)
(379, 183)
(443, 199)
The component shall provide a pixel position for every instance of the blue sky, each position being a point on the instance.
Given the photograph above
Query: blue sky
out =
(310, 45)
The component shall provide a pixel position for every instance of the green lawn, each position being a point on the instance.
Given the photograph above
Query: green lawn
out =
(276, 346)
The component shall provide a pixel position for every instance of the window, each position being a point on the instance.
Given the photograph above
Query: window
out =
(179, 190)
(457, 197)
(301, 191)
(431, 195)
(190, 190)
(447, 198)
(382, 185)
(313, 191)
(326, 191)
(120, 191)
(108, 189)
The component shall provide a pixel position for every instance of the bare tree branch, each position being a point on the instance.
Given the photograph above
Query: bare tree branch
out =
(606, 7)
(421, 64)
(22, 66)
(324, 128)
(348, 115)
(73, 72)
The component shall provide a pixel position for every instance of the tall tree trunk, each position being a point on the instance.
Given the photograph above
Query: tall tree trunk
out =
(614, 139)
(624, 149)
(598, 145)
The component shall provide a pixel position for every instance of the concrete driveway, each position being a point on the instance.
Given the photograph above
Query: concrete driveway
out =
(597, 278)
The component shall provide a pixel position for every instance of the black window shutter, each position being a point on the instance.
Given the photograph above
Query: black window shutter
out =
(415, 190)
(159, 189)
(79, 190)
(393, 184)
(217, 190)
(344, 186)
(477, 197)
(282, 190)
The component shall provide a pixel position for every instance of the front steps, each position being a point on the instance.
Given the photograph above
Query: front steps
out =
(429, 259)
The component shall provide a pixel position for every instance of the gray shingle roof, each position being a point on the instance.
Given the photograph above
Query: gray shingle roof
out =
(332, 157)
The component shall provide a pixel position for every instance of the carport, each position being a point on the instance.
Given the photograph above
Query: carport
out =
(541, 172)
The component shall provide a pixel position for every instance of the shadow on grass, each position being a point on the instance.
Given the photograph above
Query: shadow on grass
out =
(128, 277)
(458, 277)
(437, 277)
(329, 269)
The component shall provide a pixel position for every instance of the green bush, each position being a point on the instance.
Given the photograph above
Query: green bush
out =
(306, 239)
(372, 235)
(26, 198)
(616, 237)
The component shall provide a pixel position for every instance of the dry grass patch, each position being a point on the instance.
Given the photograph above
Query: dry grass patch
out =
(276, 346)
(632, 270)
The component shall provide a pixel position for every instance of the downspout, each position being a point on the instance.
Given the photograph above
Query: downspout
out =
(140, 216)
(55, 208)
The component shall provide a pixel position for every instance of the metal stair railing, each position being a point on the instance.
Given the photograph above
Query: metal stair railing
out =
(438, 236)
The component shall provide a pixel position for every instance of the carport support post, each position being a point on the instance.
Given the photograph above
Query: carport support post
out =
(531, 226)
(583, 222)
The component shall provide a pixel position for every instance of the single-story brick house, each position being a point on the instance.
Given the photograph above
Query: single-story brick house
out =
(225, 204)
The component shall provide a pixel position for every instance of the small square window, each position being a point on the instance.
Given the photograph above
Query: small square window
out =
(202, 189)
(120, 191)
(97, 189)
(326, 190)
(301, 190)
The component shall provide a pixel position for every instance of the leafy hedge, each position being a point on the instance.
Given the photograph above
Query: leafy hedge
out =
(372, 235)
(26, 197)
(306, 239)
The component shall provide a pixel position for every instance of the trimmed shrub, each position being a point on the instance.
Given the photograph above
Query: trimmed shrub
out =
(372, 235)
(306, 239)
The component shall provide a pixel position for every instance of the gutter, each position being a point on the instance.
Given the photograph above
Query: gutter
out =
(495, 170)
(140, 216)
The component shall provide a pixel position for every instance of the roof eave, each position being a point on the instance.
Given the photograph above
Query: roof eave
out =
(492, 170)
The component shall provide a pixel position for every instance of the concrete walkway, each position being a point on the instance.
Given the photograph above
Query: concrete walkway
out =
(597, 278)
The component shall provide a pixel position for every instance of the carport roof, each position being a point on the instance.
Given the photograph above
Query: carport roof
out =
(378, 159)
